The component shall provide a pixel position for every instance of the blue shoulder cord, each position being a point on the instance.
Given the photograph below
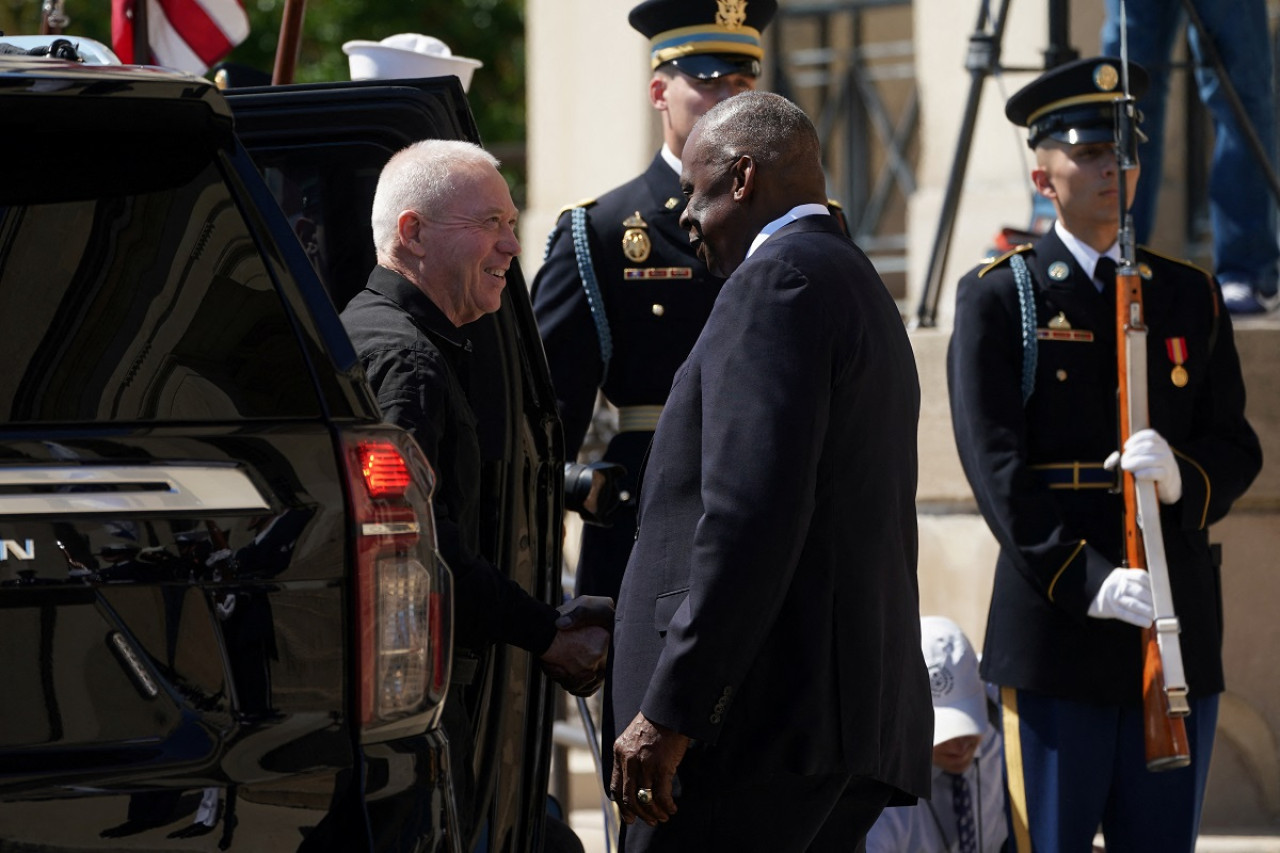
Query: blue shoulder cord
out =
(586, 270)
(1026, 301)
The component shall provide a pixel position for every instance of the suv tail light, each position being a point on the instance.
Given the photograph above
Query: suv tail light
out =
(403, 601)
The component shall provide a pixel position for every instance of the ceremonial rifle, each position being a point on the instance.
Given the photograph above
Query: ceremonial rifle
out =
(1164, 688)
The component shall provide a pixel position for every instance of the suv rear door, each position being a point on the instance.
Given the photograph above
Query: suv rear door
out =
(192, 653)
(174, 585)
(320, 148)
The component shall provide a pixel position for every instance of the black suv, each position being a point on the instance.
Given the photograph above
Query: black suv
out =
(223, 621)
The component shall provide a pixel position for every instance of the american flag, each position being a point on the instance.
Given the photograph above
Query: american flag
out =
(189, 35)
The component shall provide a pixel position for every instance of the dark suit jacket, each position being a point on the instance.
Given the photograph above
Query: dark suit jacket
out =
(770, 607)
(1057, 544)
(655, 309)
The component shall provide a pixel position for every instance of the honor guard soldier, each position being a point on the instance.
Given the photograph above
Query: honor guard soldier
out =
(1033, 378)
(621, 297)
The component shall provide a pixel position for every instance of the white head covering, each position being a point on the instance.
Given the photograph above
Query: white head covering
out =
(407, 55)
(959, 702)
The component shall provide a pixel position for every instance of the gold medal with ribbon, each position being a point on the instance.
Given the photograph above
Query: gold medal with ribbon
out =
(1177, 349)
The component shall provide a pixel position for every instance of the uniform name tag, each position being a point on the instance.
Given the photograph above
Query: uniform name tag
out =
(633, 273)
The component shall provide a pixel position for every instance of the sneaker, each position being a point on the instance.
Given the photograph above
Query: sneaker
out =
(1241, 298)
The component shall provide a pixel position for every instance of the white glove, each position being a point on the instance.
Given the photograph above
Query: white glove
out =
(226, 607)
(1148, 457)
(1125, 595)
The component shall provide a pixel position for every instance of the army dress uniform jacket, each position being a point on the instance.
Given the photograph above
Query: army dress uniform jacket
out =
(654, 296)
(1059, 524)
(769, 609)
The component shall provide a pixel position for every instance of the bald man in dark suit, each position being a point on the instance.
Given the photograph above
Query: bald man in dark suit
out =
(767, 649)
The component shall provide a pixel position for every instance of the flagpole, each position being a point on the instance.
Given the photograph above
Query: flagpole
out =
(53, 16)
(290, 41)
(141, 47)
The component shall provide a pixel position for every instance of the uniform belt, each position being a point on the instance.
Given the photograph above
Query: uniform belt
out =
(638, 418)
(1074, 475)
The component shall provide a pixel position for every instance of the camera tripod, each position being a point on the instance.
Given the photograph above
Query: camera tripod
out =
(982, 60)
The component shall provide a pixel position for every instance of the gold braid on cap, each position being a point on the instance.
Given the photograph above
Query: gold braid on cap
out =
(729, 34)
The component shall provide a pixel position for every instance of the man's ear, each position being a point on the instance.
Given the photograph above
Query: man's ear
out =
(1044, 186)
(409, 232)
(743, 171)
(658, 92)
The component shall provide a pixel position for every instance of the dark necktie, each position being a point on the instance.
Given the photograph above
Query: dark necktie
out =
(962, 802)
(1105, 272)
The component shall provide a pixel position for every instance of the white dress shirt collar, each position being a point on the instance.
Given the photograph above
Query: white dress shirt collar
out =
(790, 216)
(1085, 255)
(672, 160)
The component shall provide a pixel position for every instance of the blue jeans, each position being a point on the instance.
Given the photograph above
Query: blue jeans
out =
(1241, 207)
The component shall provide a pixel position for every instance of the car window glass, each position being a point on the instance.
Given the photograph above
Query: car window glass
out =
(327, 194)
(153, 305)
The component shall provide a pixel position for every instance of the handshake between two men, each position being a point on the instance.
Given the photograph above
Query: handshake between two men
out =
(578, 656)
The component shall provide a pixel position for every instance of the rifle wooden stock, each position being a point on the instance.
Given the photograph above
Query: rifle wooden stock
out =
(1163, 709)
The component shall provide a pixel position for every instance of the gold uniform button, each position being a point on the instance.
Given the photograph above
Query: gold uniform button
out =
(1061, 374)
(715, 719)
(658, 310)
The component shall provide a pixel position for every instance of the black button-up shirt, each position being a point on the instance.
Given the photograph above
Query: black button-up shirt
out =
(416, 361)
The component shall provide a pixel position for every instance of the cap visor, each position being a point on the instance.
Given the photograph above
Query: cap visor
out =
(1084, 135)
(959, 720)
(708, 66)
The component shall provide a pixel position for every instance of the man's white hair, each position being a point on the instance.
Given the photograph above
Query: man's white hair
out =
(424, 177)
